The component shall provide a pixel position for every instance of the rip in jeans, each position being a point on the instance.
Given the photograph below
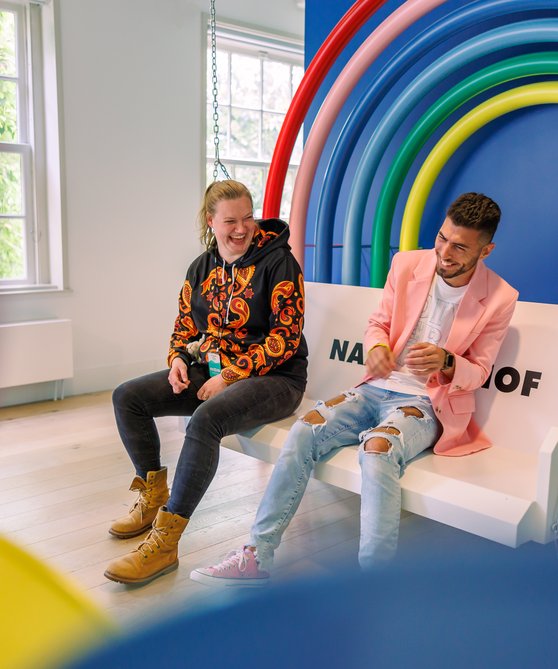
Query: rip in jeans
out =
(314, 417)
(383, 444)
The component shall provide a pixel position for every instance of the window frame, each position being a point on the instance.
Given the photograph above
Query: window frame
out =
(38, 145)
(248, 40)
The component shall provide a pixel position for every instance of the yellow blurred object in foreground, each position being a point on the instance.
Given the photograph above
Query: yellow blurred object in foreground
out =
(44, 618)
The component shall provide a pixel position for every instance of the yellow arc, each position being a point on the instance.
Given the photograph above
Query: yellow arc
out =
(517, 98)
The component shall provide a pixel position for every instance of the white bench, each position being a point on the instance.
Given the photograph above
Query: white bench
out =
(507, 493)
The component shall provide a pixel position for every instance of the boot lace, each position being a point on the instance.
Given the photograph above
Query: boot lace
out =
(154, 540)
(142, 502)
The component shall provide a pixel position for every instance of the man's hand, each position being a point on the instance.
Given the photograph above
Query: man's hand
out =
(212, 387)
(380, 362)
(425, 358)
(178, 376)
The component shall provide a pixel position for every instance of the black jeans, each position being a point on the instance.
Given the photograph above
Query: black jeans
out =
(242, 406)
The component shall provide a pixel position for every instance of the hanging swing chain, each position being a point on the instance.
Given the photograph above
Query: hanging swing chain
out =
(213, 29)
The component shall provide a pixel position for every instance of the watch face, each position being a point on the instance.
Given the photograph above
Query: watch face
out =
(448, 360)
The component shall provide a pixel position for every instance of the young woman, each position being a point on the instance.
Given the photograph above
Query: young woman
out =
(237, 360)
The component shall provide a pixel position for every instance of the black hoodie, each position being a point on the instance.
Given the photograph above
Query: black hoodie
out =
(251, 311)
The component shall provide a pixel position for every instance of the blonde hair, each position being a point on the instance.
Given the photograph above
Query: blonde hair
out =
(214, 193)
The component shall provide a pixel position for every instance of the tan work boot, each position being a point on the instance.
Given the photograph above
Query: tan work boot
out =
(155, 556)
(153, 494)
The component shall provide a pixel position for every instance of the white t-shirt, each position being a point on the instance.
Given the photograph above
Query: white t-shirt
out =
(433, 326)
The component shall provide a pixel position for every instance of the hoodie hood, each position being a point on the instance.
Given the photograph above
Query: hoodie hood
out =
(272, 234)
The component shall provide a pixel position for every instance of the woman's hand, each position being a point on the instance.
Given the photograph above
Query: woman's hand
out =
(178, 376)
(212, 387)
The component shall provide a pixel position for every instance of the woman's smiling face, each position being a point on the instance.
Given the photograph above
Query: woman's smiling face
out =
(234, 226)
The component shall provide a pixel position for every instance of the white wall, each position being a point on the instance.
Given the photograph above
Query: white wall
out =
(132, 145)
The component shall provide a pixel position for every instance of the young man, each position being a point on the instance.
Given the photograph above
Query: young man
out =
(430, 345)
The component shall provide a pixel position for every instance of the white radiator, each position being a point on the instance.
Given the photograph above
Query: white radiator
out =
(35, 351)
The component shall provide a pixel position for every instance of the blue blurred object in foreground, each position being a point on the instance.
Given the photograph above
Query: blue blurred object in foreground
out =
(491, 607)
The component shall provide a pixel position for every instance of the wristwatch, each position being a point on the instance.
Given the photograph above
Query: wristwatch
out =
(449, 360)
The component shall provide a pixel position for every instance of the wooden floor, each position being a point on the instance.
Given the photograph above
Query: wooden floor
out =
(64, 476)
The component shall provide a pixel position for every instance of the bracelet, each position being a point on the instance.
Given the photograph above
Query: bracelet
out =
(382, 345)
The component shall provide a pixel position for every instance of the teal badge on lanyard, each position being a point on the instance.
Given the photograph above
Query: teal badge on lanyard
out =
(214, 362)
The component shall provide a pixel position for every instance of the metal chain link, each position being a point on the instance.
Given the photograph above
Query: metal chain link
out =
(213, 29)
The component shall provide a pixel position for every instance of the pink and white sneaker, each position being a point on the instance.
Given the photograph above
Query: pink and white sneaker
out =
(238, 569)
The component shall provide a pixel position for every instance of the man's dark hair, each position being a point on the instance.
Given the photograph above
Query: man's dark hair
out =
(477, 211)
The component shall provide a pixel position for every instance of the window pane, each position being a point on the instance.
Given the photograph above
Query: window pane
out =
(246, 81)
(8, 111)
(297, 149)
(12, 249)
(297, 77)
(255, 87)
(245, 134)
(10, 184)
(271, 127)
(276, 86)
(7, 44)
(287, 194)
(253, 179)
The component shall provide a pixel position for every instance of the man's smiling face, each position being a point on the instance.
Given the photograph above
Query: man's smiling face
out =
(458, 250)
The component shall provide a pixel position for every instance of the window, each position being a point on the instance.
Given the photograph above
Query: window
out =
(30, 239)
(257, 76)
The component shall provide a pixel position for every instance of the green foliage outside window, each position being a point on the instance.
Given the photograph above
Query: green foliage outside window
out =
(11, 229)
(8, 90)
(12, 264)
(12, 238)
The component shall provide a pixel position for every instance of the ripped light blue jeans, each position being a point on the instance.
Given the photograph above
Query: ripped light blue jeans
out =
(355, 416)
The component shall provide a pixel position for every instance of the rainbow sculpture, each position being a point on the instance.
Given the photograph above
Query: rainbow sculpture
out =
(529, 28)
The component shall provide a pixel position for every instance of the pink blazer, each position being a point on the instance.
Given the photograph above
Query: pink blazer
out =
(475, 337)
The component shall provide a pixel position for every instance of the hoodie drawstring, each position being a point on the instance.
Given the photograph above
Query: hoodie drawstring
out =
(231, 293)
